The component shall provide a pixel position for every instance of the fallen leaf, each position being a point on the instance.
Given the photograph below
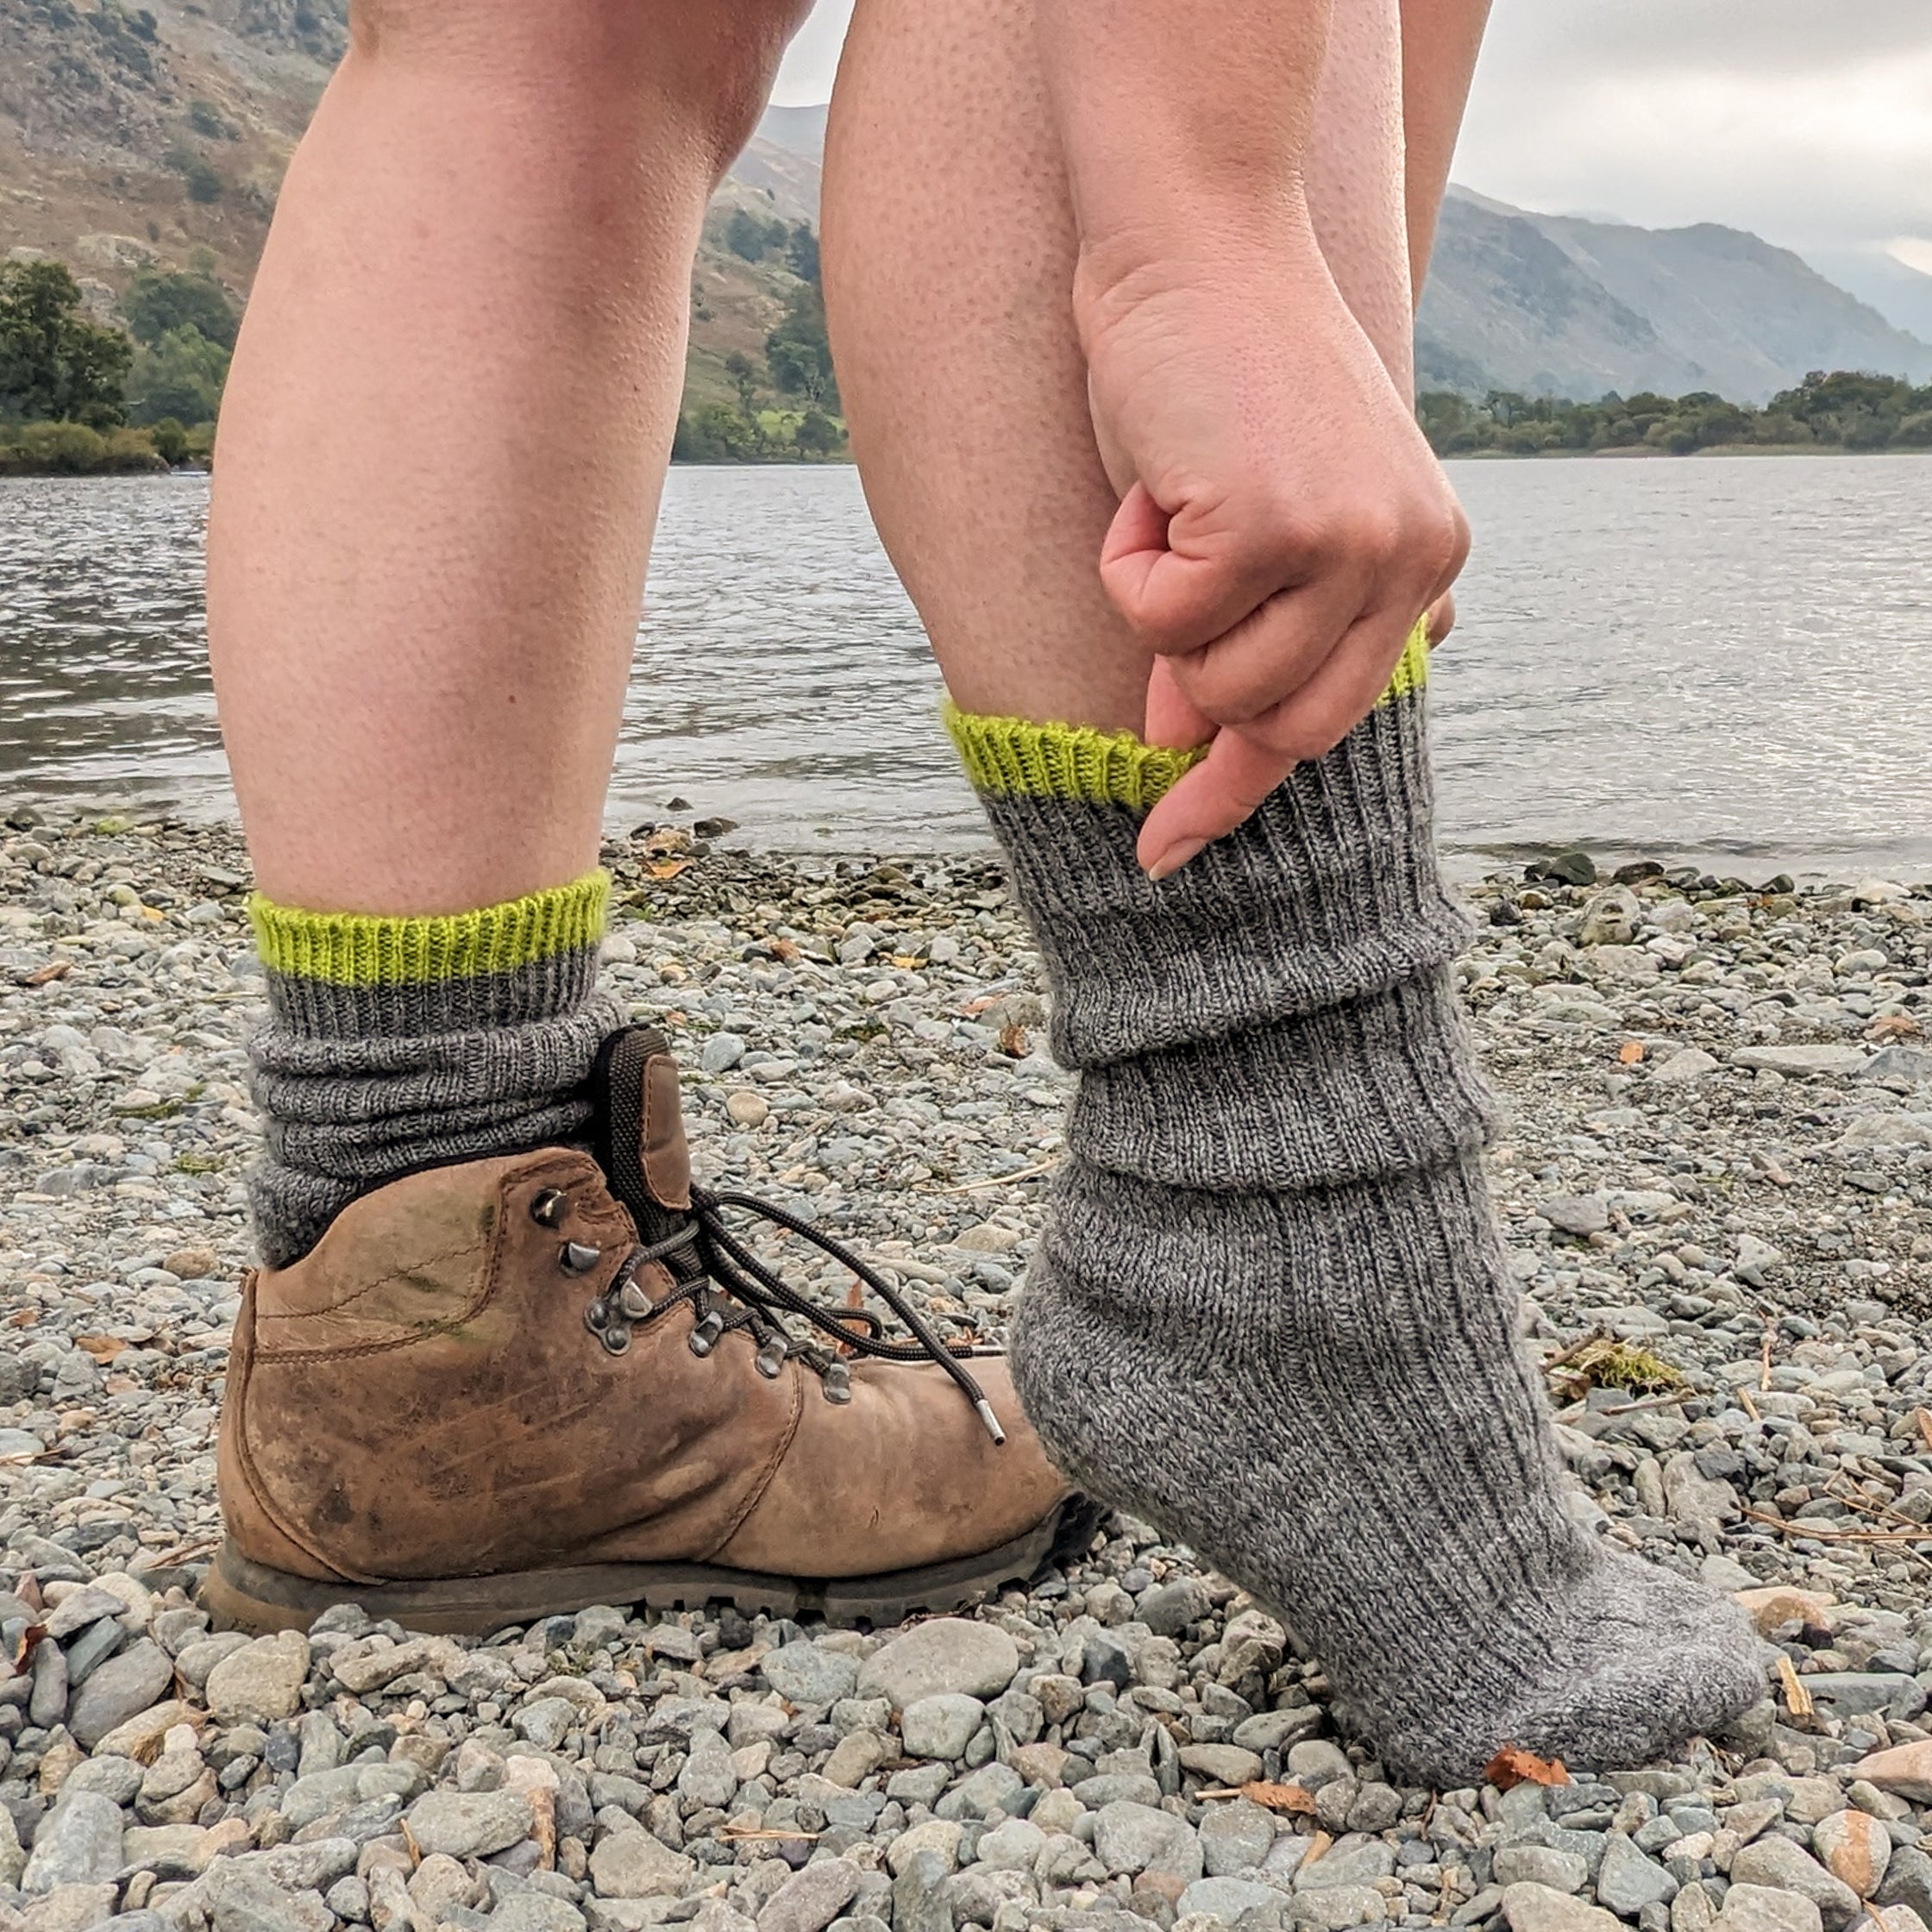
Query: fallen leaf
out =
(909, 960)
(1014, 1041)
(1630, 1052)
(668, 868)
(1292, 1798)
(1317, 1845)
(1513, 1766)
(24, 1318)
(785, 952)
(102, 1348)
(1893, 1026)
(46, 976)
(974, 1008)
(24, 1647)
(1798, 1699)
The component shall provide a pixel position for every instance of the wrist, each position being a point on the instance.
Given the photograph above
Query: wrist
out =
(1173, 241)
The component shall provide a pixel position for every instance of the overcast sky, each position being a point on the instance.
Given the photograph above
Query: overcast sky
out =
(1809, 121)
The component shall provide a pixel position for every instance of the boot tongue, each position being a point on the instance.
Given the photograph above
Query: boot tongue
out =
(639, 1130)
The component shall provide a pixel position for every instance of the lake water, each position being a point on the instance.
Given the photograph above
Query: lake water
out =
(1719, 659)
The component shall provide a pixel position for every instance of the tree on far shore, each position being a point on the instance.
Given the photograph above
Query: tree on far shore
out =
(55, 365)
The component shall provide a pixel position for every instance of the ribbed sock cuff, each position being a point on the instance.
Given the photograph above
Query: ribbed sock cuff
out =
(1008, 757)
(395, 1044)
(353, 949)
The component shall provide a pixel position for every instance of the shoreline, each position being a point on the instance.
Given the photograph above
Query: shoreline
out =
(1715, 1185)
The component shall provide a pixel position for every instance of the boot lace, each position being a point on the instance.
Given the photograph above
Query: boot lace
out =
(728, 1287)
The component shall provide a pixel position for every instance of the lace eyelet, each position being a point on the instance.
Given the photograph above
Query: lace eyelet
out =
(835, 1383)
(579, 1257)
(549, 1207)
(704, 1336)
(771, 1360)
(616, 1338)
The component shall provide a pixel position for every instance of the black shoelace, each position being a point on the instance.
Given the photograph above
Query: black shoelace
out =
(728, 1287)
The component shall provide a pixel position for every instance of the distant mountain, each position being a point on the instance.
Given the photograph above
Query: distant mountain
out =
(1562, 305)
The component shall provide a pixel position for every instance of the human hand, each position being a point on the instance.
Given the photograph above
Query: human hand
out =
(1283, 521)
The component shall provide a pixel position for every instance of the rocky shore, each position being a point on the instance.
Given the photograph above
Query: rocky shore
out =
(1717, 1194)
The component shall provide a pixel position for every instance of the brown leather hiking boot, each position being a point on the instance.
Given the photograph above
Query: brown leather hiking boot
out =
(504, 1388)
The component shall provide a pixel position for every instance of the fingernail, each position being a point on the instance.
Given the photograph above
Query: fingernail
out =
(1174, 857)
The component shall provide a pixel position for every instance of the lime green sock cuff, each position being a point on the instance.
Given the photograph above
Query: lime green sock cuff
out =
(1003, 756)
(351, 948)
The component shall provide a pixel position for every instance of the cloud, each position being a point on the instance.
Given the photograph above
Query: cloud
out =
(1806, 124)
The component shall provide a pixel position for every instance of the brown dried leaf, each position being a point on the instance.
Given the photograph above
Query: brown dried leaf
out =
(1513, 1766)
(1894, 1026)
(102, 1348)
(1014, 1041)
(45, 976)
(974, 1008)
(668, 868)
(24, 1648)
(785, 952)
(909, 960)
(1291, 1799)
(24, 1318)
(1630, 1052)
(1798, 1699)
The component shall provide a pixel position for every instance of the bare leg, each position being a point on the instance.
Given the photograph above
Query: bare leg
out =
(978, 451)
(446, 431)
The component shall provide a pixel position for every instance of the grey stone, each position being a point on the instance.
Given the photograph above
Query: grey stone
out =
(802, 1673)
(118, 1778)
(1577, 1214)
(1694, 1498)
(547, 1722)
(238, 1900)
(79, 1844)
(1278, 1730)
(122, 1688)
(69, 1909)
(261, 1682)
(1540, 1865)
(1534, 1908)
(941, 1725)
(920, 1898)
(1235, 1837)
(634, 1865)
(1777, 1862)
(467, 1824)
(1337, 1908)
(1356, 1859)
(1012, 1846)
(1170, 1608)
(980, 1792)
(535, 1911)
(1227, 1899)
(949, 1654)
(1908, 1881)
(1752, 1907)
(1802, 1060)
(810, 1900)
(707, 1776)
(1627, 1880)
(1855, 1693)
(1135, 1838)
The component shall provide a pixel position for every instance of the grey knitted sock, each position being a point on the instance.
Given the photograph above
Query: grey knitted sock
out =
(398, 1044)
(1268, 1312)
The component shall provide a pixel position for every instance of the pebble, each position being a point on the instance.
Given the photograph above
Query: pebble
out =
(469, 1824)
(122, 1687)
(1855, 1848)
(261, 1682)
(812, 1899)
(940, 1726)
(947, 1655)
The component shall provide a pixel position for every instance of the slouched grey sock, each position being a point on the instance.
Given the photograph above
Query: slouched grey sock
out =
(1269, 1311)
(395, 1044)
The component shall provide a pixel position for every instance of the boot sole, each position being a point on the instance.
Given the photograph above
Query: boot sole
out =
(241, 1595)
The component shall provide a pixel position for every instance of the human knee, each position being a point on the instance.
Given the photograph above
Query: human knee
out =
(715, 61)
